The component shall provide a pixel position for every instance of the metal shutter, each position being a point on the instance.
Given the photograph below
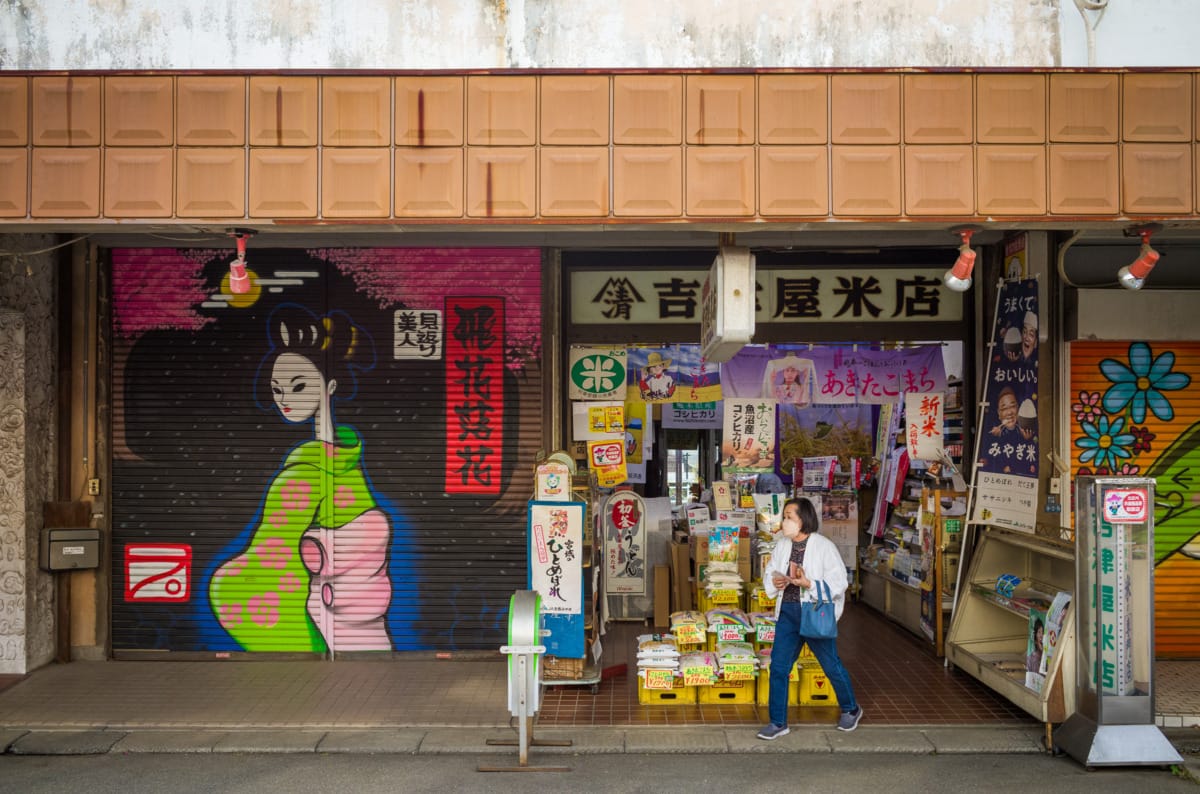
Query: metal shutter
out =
(1166, 449)
(203, 473)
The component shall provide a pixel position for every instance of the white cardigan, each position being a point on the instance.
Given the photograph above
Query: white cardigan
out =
(822, 562)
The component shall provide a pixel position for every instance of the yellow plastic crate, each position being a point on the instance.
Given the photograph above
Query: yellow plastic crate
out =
(728, 692)
(815, 689)
(764, 689)
(806, 655)
(678, 695)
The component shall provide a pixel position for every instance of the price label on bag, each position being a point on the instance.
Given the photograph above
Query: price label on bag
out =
(728, 633)
(765, 633)
(697, 676)
(738, 672)
(660, 679)
(689, 635)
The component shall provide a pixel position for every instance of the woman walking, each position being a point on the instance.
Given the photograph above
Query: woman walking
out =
(802, 559)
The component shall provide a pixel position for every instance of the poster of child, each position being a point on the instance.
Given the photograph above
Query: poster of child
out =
(790, 380)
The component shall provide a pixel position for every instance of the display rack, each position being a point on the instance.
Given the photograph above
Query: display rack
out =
(916, 575)
(990, 630)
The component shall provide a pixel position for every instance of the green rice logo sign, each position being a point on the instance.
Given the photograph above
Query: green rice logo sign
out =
(597, 373)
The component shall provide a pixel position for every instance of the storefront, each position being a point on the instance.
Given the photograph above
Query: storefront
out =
(445, 240)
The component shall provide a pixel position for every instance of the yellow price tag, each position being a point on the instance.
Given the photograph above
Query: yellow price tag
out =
(697, 676)
(738, 672)
(689, 634)
(660, 679)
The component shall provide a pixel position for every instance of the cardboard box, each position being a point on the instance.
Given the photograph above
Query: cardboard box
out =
(662, 595)
(681, 577)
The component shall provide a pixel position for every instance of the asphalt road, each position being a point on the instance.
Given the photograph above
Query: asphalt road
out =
(755, 773)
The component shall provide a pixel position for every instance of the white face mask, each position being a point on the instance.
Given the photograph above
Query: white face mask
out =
(791, 528)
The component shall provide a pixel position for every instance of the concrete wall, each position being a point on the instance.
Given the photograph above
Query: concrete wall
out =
(491, 34)
(1132, 33)
(28, 431)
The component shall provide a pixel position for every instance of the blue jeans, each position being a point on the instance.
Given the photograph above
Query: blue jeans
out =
(788, 642)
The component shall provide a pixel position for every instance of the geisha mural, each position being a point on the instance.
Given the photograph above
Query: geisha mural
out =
(321, 463)
(1136, 412)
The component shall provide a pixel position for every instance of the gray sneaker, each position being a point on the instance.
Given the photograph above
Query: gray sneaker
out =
(773, 731)
(849, 720)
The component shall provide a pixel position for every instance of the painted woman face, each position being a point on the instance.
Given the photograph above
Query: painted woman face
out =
(297, 386)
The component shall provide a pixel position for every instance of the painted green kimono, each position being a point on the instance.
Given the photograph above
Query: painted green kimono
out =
(314, 575)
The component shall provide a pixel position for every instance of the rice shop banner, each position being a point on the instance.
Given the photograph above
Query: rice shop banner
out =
(1007, 453)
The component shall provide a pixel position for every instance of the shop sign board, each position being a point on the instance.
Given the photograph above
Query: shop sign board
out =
(417, 333)
(701, 416)
(625, 544)
(748, 438)
(553, 482)
(782, 295)
(597, 373)
(607, 459)
(923, 415)
(555, 534)
(727, 304)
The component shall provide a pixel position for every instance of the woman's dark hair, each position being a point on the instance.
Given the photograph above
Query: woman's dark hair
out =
(809, 520)
(334, 344)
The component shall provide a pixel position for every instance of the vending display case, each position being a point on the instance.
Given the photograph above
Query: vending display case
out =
(1114, 719)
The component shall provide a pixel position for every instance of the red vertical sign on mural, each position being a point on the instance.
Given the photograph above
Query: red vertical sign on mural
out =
(474, 394)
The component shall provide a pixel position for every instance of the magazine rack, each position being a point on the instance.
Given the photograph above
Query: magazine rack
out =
(989, 632)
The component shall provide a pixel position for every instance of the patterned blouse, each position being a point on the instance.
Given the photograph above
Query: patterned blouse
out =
(792, 592)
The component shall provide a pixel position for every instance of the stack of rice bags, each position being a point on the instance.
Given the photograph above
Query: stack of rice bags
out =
(718, 617)
(700, 659)
(657, 651)
(722, 572)
(734, 652)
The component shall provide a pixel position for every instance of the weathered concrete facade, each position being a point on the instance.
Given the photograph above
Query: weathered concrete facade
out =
(523, 34)
(28, 431)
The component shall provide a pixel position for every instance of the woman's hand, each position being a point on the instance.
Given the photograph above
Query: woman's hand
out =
(780, 581)
(800, 579)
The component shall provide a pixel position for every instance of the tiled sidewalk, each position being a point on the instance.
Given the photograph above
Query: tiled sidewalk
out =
(897, 680)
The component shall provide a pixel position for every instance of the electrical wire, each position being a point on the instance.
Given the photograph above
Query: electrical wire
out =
(44, 250)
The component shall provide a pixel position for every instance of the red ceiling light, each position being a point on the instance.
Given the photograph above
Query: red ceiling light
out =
(239, 280)
(958, 277)
(1133, 275)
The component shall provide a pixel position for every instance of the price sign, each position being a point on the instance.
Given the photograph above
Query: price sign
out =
(697, 676)
(725, 596)
(728, 633)
(660, 679)
(738, 672)
(765, 634)
(689, 635)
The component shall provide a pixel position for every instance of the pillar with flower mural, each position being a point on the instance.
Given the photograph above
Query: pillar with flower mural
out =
(1135, 411)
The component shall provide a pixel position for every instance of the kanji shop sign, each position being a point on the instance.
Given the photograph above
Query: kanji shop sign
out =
(782, 296)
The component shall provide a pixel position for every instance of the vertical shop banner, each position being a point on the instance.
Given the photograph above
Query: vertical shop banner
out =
(748, 437)
(923, 414)
(556, 572)
(597, 373)
(474, 394)
(1007, 465)
(607, 459)
(625, 544)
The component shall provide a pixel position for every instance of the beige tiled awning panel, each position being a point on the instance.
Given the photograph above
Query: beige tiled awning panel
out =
(608, 148)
